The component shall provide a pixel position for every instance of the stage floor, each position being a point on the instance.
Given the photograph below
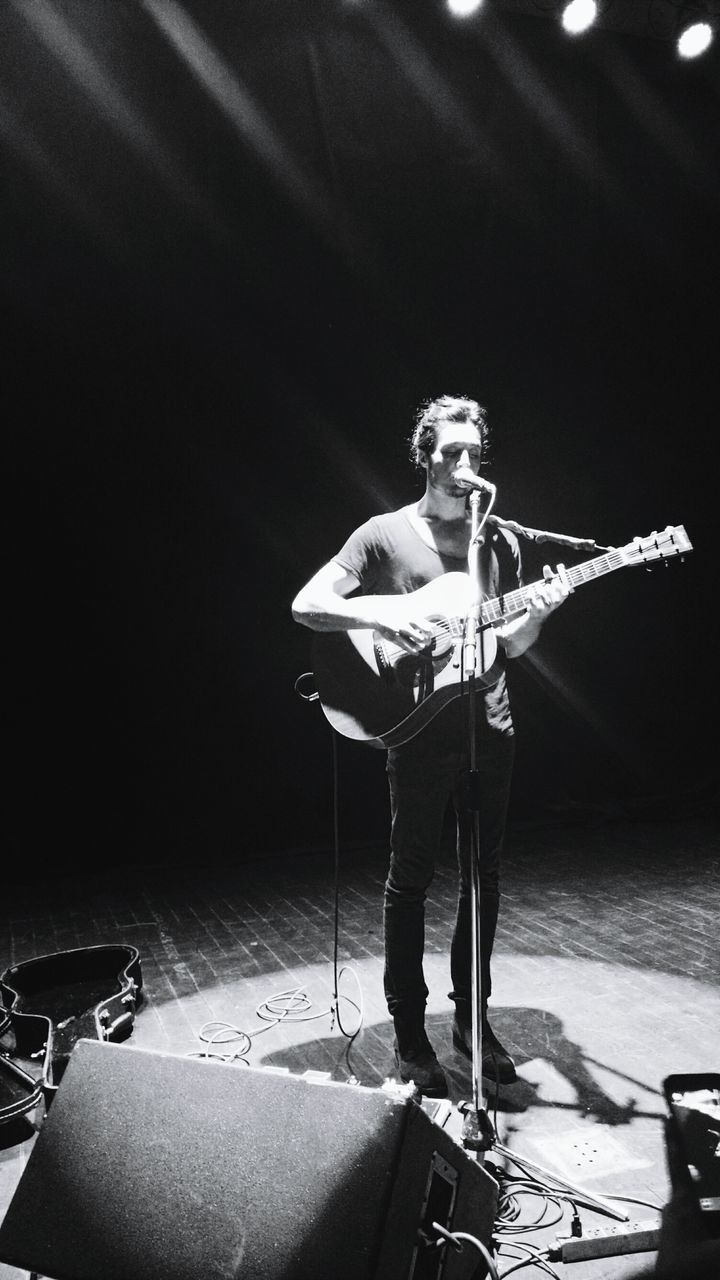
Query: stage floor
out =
(605, 981)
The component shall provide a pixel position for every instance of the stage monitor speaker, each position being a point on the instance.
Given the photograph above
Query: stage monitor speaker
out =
(154, 1166)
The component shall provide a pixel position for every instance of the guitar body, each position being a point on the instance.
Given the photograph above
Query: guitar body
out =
(378, 693)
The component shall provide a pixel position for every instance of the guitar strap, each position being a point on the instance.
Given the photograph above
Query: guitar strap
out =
(544, 535)
(509, 571)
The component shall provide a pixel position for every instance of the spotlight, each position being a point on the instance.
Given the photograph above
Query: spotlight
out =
(579, 16)
(463, 8)
(695, 29)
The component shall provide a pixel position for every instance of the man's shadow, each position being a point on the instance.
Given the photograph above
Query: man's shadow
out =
(368, 1059)
(530, 1034)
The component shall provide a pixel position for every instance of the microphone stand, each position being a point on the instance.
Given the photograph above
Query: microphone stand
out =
(478, 1133)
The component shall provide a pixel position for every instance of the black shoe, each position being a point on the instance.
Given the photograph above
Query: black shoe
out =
(417, 1064)
(496, 1061)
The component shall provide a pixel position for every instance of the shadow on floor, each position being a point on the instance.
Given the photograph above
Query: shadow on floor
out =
(529, 1033)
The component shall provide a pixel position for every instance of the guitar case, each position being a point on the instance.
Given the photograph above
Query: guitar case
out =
(49, 1003)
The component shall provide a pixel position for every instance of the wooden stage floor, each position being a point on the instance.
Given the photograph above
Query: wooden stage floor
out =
(605, 981)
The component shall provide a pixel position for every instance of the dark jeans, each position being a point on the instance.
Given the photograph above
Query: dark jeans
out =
(423, 779)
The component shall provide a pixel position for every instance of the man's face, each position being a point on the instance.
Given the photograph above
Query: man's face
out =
(457, 444)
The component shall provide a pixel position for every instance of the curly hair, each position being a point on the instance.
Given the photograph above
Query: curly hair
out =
(432, 413)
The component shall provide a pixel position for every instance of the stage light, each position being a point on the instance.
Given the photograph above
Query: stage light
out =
(579, 16)
(695, 30)
(464, 8)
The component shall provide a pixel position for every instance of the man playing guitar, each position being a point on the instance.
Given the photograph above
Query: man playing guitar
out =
(373, 587)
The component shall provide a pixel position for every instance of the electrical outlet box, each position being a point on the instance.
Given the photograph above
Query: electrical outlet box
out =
(607, 1242)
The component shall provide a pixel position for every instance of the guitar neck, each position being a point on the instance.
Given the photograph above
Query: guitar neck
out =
(503, 608)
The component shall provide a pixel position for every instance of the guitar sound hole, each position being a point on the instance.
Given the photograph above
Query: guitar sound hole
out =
(416, 672)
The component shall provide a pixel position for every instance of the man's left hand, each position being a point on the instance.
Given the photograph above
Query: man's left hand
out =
(543, 598)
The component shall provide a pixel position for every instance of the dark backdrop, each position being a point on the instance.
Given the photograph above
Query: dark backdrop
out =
(241, 242)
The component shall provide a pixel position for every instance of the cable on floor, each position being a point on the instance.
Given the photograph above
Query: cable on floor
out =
(338, 972)
(536, 1258)
(456, 1238)
(293, 1005)
(512, 1218)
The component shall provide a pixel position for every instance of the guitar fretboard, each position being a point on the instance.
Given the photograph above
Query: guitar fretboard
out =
(672, 541)
(502, 608)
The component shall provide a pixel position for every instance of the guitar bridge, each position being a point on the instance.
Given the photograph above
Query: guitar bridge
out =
(382, 661)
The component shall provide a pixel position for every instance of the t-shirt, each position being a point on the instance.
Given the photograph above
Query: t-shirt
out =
(388, 556)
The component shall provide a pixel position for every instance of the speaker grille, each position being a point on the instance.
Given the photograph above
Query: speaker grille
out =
(151, 1166)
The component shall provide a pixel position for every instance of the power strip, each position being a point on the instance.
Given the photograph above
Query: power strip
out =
(607, 1242)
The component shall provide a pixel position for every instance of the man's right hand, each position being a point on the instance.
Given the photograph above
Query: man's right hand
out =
(398, 623)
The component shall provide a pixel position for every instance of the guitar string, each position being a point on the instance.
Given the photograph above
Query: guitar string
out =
(500, 608)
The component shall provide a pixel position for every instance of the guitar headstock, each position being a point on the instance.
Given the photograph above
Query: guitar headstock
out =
(673, 541)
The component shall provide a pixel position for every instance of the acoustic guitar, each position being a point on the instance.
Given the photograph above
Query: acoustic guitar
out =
(376, 692)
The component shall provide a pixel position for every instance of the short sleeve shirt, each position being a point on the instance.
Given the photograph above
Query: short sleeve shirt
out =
(389, 557)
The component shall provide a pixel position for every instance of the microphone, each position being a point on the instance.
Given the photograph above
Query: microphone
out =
(464, 475)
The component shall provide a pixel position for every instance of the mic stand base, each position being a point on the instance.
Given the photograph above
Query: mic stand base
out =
(598, 1203)
(477, 1129)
